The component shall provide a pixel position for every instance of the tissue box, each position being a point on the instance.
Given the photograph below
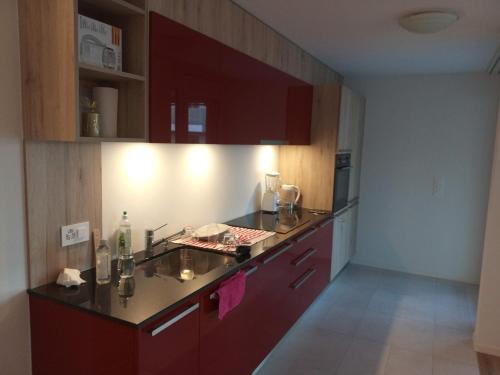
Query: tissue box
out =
(99, 44)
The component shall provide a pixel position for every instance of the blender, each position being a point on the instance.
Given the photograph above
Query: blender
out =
(271, 197)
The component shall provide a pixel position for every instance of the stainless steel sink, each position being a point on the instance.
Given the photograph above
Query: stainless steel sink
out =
(186, 264)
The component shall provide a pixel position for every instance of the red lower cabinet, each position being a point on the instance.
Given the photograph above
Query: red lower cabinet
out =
(68, 341)
(65, 340)
(310, 268)
(190, 339)
(169, 346)
(228, 346)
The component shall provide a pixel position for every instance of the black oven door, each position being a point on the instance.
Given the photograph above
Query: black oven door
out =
(341, 187)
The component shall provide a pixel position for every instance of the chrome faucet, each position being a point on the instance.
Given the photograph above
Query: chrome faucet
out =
(150, 243)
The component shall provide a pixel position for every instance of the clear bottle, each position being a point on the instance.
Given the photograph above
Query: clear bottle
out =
(124, 237)
(103, 263)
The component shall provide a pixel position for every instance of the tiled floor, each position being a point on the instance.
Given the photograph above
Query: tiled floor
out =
(371, 321)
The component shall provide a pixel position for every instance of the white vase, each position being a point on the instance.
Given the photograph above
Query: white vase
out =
(106, 99)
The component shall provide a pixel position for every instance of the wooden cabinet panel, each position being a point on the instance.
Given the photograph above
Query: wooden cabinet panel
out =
(48, 69)
(202, 91)
(313, 167)
(345, 137)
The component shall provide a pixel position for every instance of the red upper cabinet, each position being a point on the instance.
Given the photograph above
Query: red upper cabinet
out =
(202, 91)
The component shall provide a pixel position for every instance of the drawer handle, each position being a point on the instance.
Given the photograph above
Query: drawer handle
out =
(249, 272)
(302, 279)
(307, 235)
(303, 257)
(174, 320)
(276, 254)
(326, 223)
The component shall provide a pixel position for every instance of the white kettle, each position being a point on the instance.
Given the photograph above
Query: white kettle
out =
(290, 195)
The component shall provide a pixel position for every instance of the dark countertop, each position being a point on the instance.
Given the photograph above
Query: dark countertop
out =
(151, 292)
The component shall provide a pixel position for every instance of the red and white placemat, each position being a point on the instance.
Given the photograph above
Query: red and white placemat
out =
(247, 236)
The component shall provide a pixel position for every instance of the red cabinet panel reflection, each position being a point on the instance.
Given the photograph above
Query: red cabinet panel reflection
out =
(202, 91)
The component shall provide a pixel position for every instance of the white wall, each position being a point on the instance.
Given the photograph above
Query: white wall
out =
(14, 319)
(180, 185)
(487, 334)
(423, 131)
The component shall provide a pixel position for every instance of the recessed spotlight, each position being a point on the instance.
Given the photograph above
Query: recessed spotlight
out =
(428, 22)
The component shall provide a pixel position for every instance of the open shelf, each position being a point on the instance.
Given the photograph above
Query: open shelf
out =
(91, 72)
(117, 7)
(131, 82)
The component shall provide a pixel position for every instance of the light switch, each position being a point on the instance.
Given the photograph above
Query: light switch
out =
(438, 186)
(75, 233)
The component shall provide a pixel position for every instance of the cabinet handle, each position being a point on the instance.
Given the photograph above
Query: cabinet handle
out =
(276, 254)
(306, 235)
(324, 224)
(302, 279)
(249, 272)
(174, 320)
(302, 258)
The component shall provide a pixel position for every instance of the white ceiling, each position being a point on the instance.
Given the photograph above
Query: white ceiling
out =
(363, 36)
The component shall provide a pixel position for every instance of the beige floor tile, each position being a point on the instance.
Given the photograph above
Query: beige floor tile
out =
(375, 326)
(405, 362)
(418, 306)
(445, 367)
(373, 322)
(338, 319)
(412, 335)
(454, 345)
(364, 357)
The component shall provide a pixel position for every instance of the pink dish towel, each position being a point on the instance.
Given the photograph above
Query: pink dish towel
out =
(231, 293)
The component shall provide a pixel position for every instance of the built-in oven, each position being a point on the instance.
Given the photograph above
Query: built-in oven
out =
(341, 187)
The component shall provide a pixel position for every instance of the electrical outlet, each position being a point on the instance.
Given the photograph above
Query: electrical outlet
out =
(75, 233)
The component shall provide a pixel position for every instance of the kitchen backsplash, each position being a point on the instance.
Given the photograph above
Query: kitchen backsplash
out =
(180, 185)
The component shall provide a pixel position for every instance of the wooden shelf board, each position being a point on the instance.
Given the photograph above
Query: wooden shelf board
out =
(119, 7)
(114, 139)
(95, 72)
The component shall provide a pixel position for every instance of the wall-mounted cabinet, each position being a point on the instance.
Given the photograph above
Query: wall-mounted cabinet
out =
(202, 91)
(55, 82)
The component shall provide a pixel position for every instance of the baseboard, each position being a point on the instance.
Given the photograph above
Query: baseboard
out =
(486, 349)
(358, 263)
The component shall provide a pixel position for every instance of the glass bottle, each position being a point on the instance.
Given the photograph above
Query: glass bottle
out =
(124, 240)
(103, 263)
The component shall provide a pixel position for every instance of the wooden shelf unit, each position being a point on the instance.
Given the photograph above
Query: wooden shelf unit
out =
(118, 7)
(90, 72)
(54, 81)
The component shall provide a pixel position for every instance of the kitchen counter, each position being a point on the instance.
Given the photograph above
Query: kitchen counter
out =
(139, 300)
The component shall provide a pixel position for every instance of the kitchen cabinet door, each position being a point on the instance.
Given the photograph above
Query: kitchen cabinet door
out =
(357, 124)
(310, 270)
(202, 91)
(274, 297)
(353, 230)
(345, 134)
(340, 243)
(170, 345)
(347, 236)
(231, 345)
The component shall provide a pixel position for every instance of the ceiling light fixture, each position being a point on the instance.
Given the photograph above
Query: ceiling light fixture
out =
(428, 22)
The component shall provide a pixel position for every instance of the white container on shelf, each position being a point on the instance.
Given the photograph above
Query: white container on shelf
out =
(106, 99)
(99, 44)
